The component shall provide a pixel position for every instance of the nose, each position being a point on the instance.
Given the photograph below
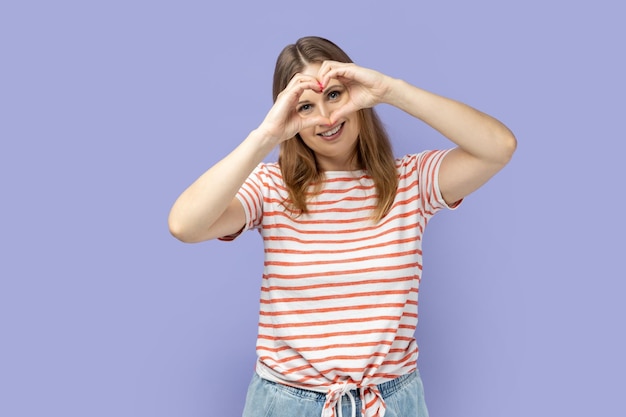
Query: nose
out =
(323, 109)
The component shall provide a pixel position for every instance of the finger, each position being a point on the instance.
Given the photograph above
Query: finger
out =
(292, 93)
(333, 69)
(341, 112)
(300, 79)
(299, 84)
(323, 71)
(315, 121)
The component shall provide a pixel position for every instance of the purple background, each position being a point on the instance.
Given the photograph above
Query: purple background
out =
(109, 109)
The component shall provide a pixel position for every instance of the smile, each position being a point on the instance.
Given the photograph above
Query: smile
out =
(331, 133)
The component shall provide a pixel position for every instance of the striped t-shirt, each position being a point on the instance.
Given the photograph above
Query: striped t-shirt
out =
(339, 292)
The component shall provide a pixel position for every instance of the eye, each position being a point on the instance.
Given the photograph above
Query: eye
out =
(333, 95)
(305, 108)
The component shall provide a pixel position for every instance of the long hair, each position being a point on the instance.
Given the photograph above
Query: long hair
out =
(297, 161)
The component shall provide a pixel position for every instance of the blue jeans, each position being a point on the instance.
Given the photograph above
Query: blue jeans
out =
(404, 397)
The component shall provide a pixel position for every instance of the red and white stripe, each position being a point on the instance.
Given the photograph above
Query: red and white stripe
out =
(339, 293)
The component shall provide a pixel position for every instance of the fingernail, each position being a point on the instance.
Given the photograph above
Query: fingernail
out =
(321, 86)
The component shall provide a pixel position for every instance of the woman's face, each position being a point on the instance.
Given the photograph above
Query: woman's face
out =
(334, 145)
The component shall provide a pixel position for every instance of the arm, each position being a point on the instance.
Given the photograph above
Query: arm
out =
(484, 145)
(208, 208)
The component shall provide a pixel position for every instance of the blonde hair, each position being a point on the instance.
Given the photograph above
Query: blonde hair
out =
(297, 161)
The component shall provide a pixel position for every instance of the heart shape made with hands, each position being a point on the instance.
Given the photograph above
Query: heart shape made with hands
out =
(347, 107)
(364, 87)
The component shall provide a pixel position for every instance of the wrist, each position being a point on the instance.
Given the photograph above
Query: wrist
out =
(264, 138)
(396, 88)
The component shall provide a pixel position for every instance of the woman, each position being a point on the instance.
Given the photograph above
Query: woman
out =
(341, 221)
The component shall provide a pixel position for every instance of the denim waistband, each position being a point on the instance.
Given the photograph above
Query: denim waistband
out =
(390, 387)
(386, 388)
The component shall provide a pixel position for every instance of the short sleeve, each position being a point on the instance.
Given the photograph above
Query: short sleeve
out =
(426, 166)
(250, 195)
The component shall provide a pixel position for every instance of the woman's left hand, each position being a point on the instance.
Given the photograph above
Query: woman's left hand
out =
(366, 87)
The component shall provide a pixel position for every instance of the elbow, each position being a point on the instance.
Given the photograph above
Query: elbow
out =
(179, 231)
(508, 145)
(511, 145)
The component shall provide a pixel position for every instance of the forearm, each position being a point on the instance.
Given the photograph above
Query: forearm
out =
(475, 132)
(204, 201)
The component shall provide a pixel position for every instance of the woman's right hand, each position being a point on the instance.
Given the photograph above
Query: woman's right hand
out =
(208, 208)
(283, 122)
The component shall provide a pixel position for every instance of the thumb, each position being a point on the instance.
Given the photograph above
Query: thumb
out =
(315, 121)
(341, 112)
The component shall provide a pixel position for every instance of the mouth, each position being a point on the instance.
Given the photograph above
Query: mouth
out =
(332, 133)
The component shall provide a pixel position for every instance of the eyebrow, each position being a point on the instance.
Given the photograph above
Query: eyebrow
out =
(330, 87)
(333, 86)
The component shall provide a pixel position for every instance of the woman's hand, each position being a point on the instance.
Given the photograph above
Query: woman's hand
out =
(283, 122)
(366, 87)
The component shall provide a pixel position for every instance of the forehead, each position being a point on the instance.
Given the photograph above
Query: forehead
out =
(312, 69)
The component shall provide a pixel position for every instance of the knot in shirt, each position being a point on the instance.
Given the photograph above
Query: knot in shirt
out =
(372, 403)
